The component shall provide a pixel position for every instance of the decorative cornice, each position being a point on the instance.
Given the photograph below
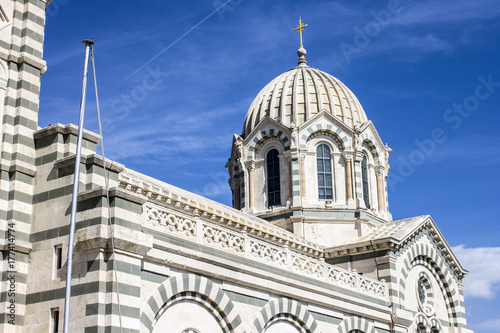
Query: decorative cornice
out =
(66, 129)
(393, 244)
(23, 57)
(189, 215)
(324, 114)
(215, 212)
(262, 123)
(100, 236)
(251, 245)
(370, 126)
(93, 159)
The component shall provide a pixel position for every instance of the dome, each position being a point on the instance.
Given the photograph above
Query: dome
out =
(299, 94)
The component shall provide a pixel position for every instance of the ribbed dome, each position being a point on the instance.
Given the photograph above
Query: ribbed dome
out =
(299, 94)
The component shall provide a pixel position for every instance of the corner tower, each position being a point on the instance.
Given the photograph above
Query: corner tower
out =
(309, 160)
(22, 26)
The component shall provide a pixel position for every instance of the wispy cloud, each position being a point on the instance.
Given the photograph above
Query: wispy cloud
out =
(428, 43)
(481, 151)
(410, 47)
(483, 263)
(491, 325)
(461, 152)
(181, 133)
(415, 30)
(447, 12)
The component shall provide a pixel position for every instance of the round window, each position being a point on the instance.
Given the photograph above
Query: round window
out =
(424, 294)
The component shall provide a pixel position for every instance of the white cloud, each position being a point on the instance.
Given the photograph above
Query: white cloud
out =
(483, 263)
(429, 42)
(492, 324)
(447, 12)
(411, 47)
(481, 151)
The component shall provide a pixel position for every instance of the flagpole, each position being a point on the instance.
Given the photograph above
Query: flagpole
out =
(76, 179)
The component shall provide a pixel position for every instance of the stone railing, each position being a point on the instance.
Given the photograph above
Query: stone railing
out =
(242, 242)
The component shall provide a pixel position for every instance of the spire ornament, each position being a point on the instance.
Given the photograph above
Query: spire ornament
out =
(301, 52)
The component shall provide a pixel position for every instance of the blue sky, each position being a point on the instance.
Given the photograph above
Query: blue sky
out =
(176, 78)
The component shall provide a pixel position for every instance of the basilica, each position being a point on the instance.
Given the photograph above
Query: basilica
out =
(308, 246)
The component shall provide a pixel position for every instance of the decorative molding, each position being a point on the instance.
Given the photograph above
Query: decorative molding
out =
(390, 243)
(162, 219)
(419, 254)
(355, 323)
(187, 203)
(194, 288)
(328, 133)
(425, 295)
(285, 309)
(256, 245)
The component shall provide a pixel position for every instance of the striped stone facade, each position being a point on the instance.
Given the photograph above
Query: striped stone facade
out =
(21, 65)
(156, 258)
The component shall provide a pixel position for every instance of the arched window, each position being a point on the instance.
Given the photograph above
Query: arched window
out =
(273, 178)
(364, 176)
(324, 162)
(421, 328)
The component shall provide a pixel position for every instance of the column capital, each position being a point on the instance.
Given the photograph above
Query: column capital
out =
(250, 165)
(379, 170)
(358, 156)
(347, 156)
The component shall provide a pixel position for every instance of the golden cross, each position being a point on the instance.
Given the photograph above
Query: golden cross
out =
(299, 28)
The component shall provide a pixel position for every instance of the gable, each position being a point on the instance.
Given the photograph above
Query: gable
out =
(397, 235)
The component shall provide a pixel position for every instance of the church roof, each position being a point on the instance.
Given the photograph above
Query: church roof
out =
(297, 95)
(394, 235)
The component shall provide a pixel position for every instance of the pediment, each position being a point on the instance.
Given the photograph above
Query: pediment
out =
(261, 126)
(368, 127)
(394, 236)
(329, 117)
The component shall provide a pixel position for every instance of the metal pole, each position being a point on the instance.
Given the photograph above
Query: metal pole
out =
(76, 180)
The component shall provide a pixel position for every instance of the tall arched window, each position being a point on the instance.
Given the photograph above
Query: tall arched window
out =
(273, 178)
(364, 175)
(324, 162)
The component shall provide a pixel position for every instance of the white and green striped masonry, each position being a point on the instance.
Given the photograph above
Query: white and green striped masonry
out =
(21, 65)
(175, 249)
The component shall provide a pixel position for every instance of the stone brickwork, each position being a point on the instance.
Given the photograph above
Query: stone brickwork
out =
(21, 65)
(156, 258)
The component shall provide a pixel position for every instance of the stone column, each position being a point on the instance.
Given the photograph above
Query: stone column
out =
(287, 158)
(348, 177)
(379, 172)
(237, 197)
(302, 176)
(251, 185)
(358, 181)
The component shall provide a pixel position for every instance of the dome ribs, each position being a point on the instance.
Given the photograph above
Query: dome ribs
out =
(307, 104)
(319, 94)
(299, 94)
(262, 109)
(329, 93)
(351, 113)
(274, 111)
(284, 95)
(341, 106)
(247, 127)
(294, 99)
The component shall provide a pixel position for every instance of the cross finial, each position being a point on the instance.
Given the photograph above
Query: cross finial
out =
(299, 28)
